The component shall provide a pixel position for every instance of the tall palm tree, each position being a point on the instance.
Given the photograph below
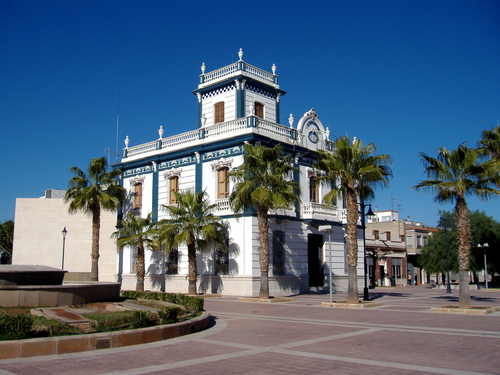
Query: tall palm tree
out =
(136, 232)
(92, 192)
(263, 182)
(490, 143)
(353, 170)
(453, 176)
(192, 223)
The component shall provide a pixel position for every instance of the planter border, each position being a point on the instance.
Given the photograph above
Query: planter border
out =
(103, 340)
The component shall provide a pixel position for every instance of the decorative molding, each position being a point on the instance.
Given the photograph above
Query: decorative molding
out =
(218, 91)
(261, 91)
(197, 155)
(138, 170)
(177, 162)
(174, 172)
(278, 97)
(237, 84)
(154, 165)
(217, 154)
(199, 97)
(243, 83)
(221, 163)
(137, 180)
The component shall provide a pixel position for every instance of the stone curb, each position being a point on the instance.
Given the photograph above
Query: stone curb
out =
(103, 340)
(266, 300)
(361, 305)
(473, 310)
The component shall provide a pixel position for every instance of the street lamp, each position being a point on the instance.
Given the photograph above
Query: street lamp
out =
(369, 214)
(64, 233)
(484, 246)
(444, 224)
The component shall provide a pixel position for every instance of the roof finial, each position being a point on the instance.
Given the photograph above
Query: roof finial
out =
(274, 69)
(240, 54)
(203, 69)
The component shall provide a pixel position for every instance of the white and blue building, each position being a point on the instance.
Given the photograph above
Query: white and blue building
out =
(238, 104)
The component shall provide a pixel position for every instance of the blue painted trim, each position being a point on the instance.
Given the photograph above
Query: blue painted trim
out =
(198, 121)
(155, 196)
(199, 177)
(278, 111)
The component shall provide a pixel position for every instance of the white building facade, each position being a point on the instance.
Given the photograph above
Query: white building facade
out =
(237, 104)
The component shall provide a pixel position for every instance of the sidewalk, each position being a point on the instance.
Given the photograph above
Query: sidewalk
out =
(301, 337)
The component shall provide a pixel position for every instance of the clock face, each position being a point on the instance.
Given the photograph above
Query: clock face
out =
(313, 136)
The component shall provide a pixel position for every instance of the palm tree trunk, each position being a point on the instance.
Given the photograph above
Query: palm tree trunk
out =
(264, 253)
(463, 237)
(96, 224)
(140, 267)
(192, 266)
(352, 245)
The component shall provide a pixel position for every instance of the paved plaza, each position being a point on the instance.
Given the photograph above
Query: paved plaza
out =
(302, 337)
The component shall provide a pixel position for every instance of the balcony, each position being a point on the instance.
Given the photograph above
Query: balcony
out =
(318, 211)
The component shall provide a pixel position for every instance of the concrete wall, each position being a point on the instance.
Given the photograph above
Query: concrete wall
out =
(38, 237)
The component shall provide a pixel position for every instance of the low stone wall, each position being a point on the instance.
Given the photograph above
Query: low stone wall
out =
(95, 341)
(58, 295)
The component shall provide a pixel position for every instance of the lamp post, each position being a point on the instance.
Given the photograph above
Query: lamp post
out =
(484, 246)
(370, 214)
(444, 224)
(64, 233)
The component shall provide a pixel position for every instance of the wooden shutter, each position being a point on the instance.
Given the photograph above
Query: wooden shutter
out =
(259, 109)
(137, 196)
(222, 183)
(174, 187)
(219, 112)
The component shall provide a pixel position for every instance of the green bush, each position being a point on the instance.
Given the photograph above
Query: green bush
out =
(142, 319)
(192, 303)
(15, 326)
(168, 314)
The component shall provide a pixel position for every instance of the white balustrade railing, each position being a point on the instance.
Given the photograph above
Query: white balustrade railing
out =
(312, 208)
(218, 130)
(259, 73)
(225, 127)
(273, 128)
(230, 69)
(141, 149)
(219, 73)
(222, 204)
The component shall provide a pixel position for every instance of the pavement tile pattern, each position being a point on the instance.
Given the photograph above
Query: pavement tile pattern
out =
(302, 337)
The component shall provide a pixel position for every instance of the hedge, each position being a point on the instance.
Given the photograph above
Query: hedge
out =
(193, 303)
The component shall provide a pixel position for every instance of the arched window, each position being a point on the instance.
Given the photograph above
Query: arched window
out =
(137, 196)
(174, 187)
(173, 262)
(218, 112)
(259, 109)
(222, 183)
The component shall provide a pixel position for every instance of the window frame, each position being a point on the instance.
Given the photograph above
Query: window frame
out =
(259, 107)
(218, 112)
(138, 188)
(222, 183)
(172, 199)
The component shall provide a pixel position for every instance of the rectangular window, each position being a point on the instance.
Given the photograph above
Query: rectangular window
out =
(137, 196)
(134, 260)
(313, 190)
(173, 262)
(259, 109)
(375, 234)
(409, 241)
(388, 234)
(278, 252)
(396, 267)
(419, 241)
(174, 187)
(222, 183)
(221, 262)
(219, 112)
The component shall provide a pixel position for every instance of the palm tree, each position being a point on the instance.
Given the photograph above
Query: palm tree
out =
(92, 192)
(263, 182)
(490, 142)
(192, 223)
(453, 176)
(136, 232)
(353, 170)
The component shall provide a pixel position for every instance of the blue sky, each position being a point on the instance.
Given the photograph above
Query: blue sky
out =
(409, 76)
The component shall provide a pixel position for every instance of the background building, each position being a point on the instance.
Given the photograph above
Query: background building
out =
(38, 238)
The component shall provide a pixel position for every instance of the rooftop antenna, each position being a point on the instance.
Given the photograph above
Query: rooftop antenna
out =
(117, 124)
(392, 202)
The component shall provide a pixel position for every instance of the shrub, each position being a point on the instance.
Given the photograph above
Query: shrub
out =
(193, 303)
(168, 314)
(15, 326)
(142, 319)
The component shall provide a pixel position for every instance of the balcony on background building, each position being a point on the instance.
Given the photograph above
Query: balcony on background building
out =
(318, 211)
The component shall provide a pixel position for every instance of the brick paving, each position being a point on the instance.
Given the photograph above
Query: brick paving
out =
(302, 337)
